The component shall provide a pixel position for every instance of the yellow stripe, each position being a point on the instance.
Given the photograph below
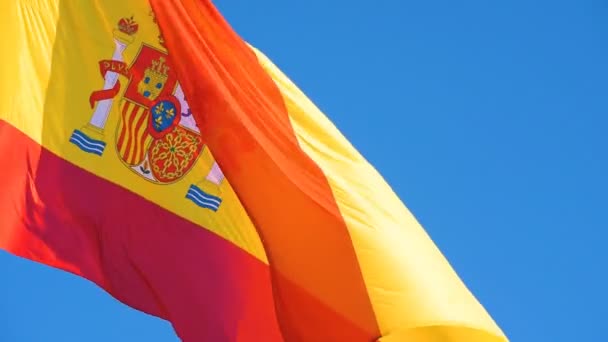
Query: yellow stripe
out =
(142, 144)
(49, 68)
(133, 119)
(410, 283)
(125, 108)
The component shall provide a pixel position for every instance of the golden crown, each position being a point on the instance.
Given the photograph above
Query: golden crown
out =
(128, 26)
(158, 68)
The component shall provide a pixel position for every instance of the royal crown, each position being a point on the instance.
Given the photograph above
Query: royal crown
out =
(128, 26)
(158, 68)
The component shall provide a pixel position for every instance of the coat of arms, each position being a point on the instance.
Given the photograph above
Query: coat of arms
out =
(157, 137)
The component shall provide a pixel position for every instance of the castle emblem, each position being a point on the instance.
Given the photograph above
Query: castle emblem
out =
(156, 137)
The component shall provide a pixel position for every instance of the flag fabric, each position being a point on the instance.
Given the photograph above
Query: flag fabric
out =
(148, 148)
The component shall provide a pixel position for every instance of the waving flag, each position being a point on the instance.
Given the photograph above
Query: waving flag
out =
(146, 147)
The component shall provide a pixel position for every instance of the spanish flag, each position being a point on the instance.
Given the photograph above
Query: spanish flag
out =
(146, 147)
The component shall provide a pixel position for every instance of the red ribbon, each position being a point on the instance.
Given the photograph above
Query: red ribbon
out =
(105, 66)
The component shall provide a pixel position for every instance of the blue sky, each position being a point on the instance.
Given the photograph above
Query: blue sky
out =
(488, 118)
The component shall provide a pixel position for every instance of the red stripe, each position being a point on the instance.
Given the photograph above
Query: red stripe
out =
(246, 125)
(60, 215)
